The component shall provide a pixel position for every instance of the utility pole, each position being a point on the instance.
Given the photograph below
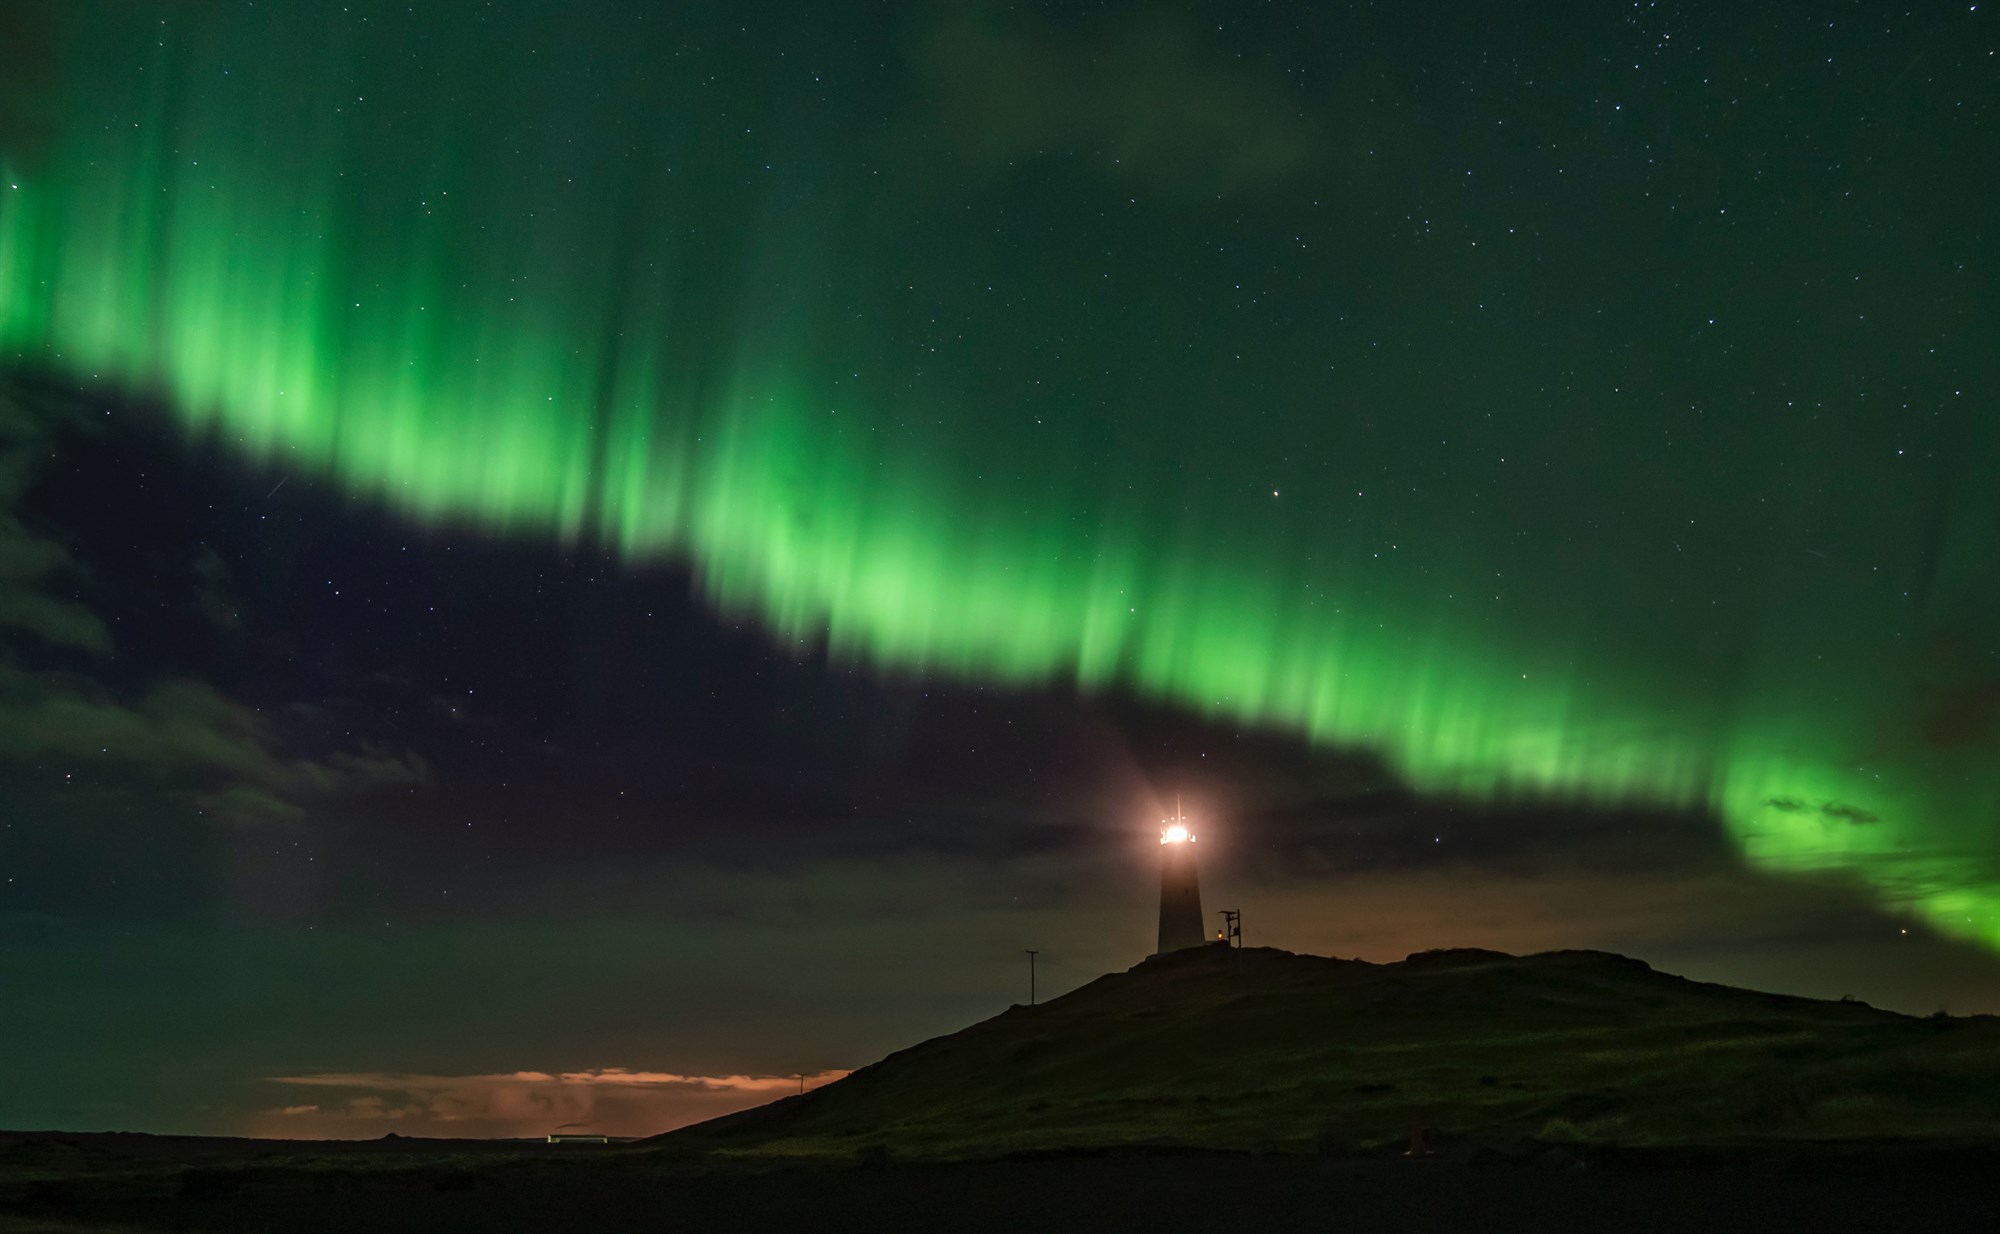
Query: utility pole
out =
(1031, 975)
(1232, 926)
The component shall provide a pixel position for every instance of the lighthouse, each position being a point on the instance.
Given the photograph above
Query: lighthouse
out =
(1180, 892)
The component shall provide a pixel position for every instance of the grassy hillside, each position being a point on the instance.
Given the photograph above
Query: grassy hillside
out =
(1265, 1050)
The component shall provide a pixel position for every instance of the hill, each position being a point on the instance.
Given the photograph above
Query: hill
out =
(1203, 1090)
(1264, 1050)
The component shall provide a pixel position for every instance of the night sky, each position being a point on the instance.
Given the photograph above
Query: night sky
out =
(571, 563)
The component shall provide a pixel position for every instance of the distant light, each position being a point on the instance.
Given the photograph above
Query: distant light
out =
(1177, 834)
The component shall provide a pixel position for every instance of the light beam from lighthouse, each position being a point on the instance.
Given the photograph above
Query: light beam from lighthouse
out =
(1180, 893)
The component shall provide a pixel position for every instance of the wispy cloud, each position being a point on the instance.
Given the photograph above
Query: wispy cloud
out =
(65, 709)
(39, 576)
(613, 1100)
(184, 733)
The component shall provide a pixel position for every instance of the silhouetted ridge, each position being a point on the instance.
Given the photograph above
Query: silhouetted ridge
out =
(1256, 1048)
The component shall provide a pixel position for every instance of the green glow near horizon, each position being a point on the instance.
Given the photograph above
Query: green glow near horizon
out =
(471, 369)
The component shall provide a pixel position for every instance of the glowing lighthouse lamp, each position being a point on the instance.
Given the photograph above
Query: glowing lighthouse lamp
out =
(1180, 892)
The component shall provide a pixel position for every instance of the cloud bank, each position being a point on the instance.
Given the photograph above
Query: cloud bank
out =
(611, 1100)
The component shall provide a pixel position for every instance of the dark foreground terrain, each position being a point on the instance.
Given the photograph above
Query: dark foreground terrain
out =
(1854, 1188)
(1209, 1090)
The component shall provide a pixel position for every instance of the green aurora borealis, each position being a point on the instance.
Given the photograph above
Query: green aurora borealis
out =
(1661, 475)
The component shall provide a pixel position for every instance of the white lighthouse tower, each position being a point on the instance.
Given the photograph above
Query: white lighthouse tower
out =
(1180, 892)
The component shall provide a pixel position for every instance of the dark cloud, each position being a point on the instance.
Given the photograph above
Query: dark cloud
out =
(1390, 830)
(249, 805)
(1831, 809)
(35, 568)
(1377, 879)
(215, 597)
(183, 734)
(30, 567)
(1149, 102)
(178, 732)
(1712, 907)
